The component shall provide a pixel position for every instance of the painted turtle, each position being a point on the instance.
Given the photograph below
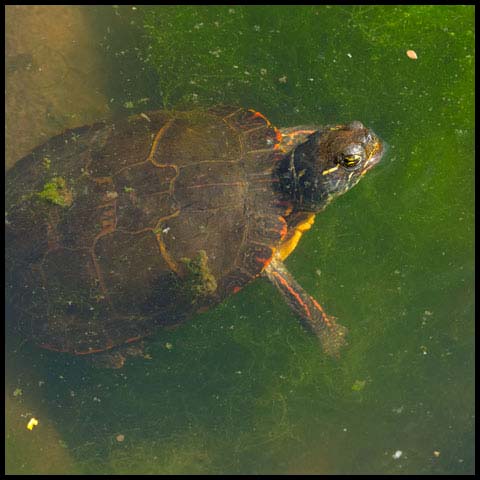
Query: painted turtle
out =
(115, 229)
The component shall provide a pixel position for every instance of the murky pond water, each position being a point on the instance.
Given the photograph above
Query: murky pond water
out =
(243, 388)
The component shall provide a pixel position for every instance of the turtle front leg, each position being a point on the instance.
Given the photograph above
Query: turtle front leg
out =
(330, 333)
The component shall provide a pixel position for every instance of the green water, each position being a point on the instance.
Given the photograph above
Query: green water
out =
(243, 388)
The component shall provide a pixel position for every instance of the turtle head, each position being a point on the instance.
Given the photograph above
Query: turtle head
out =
(330, 161)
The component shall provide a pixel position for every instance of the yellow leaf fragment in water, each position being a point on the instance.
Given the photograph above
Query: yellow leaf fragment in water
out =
(32, 423)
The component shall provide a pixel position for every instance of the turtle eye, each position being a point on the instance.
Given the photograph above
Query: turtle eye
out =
(350, 160)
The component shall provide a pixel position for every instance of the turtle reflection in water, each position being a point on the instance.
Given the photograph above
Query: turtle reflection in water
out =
(116, 229)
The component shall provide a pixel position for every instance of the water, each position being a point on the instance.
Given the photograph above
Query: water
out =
(243, 389)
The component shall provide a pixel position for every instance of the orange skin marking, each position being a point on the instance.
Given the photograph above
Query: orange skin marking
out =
(284, 229)
(289, 210)
(236, 289)
(288, 206)
(294, 293)
(325, 317)
(263, 261)
(278, 138)
(278, 135)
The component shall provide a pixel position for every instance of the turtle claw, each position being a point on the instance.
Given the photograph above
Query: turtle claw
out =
(333, 338)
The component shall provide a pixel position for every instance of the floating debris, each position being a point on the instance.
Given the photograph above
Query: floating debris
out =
(120, 437)
(412, 54)
(18, 392)
(397, 454)
(33, 422)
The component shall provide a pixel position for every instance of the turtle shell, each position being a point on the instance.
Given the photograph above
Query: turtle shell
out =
(117, 228)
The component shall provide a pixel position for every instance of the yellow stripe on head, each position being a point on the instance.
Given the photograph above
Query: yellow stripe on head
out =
(330, 170)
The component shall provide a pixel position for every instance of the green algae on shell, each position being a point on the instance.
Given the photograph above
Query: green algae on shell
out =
(56, 191)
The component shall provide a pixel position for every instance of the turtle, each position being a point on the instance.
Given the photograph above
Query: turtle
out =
(117, 229)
